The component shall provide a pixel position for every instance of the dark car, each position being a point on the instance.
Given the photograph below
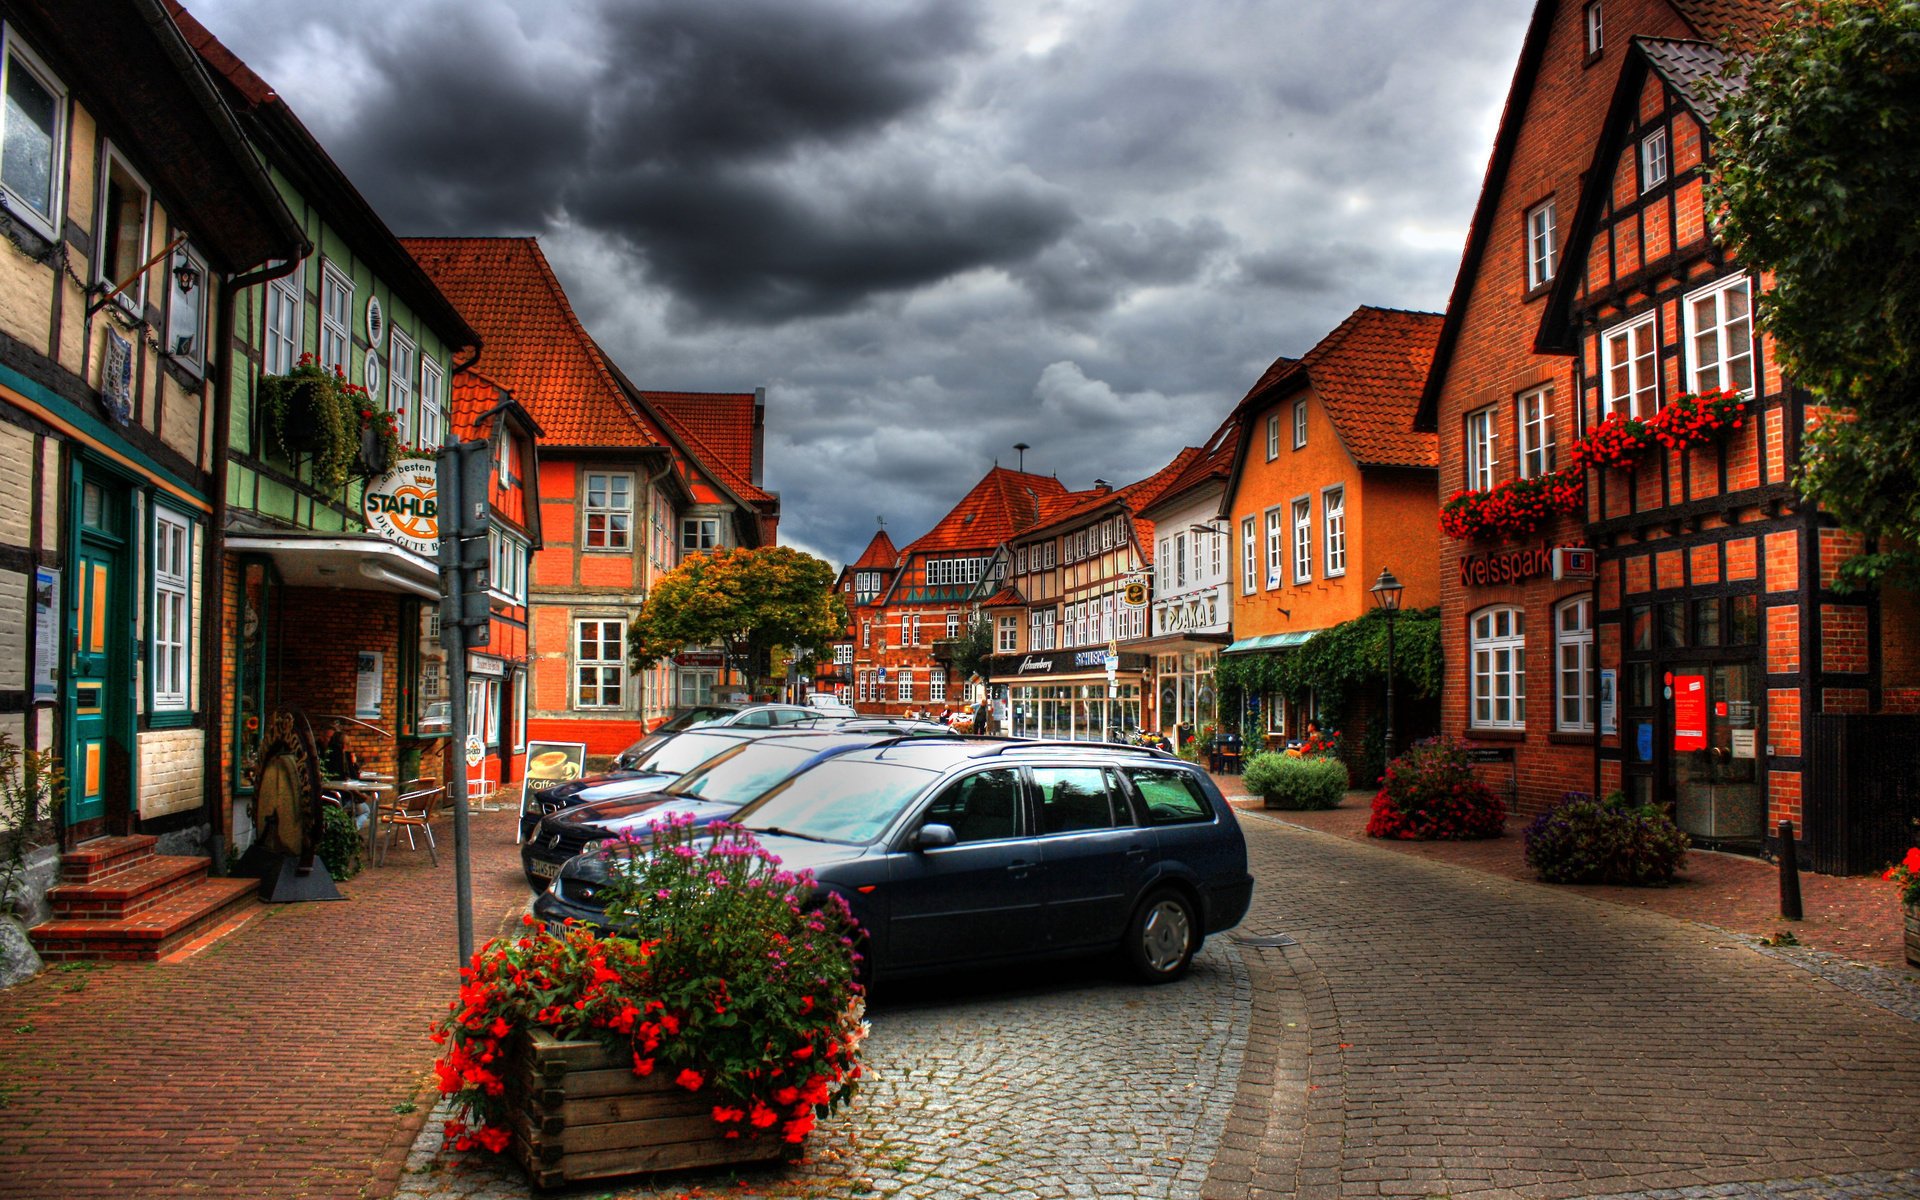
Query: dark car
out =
(714, 716)
(713, 790)
(666, 760)
(959, 853)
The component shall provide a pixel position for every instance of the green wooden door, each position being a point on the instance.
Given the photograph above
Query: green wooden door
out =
(99, 681)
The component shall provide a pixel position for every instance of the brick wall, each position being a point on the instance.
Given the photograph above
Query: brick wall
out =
(172, 772)
(322, 632)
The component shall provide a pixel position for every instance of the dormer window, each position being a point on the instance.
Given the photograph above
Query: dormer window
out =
(1653, 159)
(1542, 242)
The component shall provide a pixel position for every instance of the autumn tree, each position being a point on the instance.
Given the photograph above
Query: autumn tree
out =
(746, 602)
(1816, 179)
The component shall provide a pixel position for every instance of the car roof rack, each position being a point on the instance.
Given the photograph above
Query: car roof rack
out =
(1057, 744)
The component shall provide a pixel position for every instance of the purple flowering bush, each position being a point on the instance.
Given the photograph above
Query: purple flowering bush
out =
(756, 965)
(1583, 840)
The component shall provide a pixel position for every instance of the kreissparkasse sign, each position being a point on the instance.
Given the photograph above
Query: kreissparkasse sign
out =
(1495, 567)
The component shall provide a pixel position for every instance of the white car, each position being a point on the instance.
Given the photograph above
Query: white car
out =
(828, 705)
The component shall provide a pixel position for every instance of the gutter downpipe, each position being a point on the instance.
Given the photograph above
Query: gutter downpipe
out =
(214, 590)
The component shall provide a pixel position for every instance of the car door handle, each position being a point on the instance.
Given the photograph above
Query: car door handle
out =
(1019, 868)
(1136, 854)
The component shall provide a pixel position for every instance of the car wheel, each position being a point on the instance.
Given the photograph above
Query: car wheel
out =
(1162, 937)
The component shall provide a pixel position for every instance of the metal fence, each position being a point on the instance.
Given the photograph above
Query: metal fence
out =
(1862, 800)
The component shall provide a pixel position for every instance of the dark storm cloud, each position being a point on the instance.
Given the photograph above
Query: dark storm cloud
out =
(1093, 269)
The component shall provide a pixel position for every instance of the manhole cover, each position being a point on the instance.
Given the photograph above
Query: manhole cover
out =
(1270, 939)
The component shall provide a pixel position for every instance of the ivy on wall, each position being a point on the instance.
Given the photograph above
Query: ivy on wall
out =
(1337, 663)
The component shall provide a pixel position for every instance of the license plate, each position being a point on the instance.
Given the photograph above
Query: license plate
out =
(545, 870)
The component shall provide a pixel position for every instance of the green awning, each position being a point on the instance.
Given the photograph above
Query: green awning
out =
(1271, 641)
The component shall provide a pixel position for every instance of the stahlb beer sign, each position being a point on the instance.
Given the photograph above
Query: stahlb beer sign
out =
(1496, 567)
(403, 506)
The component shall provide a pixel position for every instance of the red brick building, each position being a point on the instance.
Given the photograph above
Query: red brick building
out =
(861, 585)
(1710, 655)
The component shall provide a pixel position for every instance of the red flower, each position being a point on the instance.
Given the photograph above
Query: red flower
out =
(689, 1079)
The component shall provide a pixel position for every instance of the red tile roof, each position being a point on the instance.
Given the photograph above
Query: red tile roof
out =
(1214, 462)
(879, 554)
(1007, 597)
(1002, 504)
(473, 393)
(719, 429)
(1368, 374)
(535, 345)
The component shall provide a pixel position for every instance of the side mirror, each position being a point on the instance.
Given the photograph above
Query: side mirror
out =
(933, 836)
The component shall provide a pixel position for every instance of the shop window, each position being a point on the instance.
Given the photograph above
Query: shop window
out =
(1629, 372)
(1720, 336)
(600, 663)
(125, 204)
(699, 533)
(170, 636)
(285, 310)
(1573, 656)
(432, 402)
(1303, 540)
(1333, 520)
(402, 358)
(1653, 159)
(32, 139)
(1542, 243)
(1481, 436)
(609, 511)
(336, 318)
(186, 310)
(1533, 417)
(1497, 649)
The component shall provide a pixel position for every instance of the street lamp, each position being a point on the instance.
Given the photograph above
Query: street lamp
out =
(1386, 594)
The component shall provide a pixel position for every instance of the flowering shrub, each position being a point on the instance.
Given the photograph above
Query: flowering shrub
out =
(1513, 507)
(1317, 745)
(1617, 441)
(1431, 793)
(1905, 875)
(1583, 840)
(1294, 782)
(726, 975)
(314, 410)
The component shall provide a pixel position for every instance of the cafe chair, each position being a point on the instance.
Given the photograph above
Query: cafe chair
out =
(410, 810)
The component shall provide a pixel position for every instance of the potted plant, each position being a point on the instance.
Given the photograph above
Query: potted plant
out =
(719, 1022)
(1905, 875)
(378, 447)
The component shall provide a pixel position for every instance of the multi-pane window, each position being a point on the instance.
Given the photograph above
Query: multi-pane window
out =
(1216, 552)
(1497, 650)
(1300, 423)
(600, 663)
(336, 317)
(699, 533)
(1165, 565)
(609, 511)
(125, 204)
(1653, 159)
(432, 403)
(1009, 640)
(1333, 517)
(937, 684)
(1573, 660)
(1596, 32)
(843, 654)
(1248, 555)
(953, 625)
(402, 357)
(508, 562)
(1276, 546)
(172, 606)
(1542, 242)
(945, 572)
(1480, 449)
(32, 139)
(1179, 560)
(186, 310)
(284, 310)
(906, 684)
(1629, 371)
(1720, 337)
(1020, 561)
(1273, 436)
(1533, 417)
(1302, 540)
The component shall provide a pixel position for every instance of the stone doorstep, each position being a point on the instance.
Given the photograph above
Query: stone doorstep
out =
(91, 862)
(154, 932)
(122, 894)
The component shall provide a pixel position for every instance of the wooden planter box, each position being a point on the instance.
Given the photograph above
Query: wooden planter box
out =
(579, 1112)
(1913, 935)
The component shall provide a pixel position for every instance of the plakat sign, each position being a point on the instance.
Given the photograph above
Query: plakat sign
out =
(1689, 712)
(403, 506)
(550, 764)
(370, 677)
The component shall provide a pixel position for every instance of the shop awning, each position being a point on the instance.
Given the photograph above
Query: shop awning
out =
(1271, 641)
(365, 564)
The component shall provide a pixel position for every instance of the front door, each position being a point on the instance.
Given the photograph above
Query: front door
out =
(99, 683)
(1711, 772)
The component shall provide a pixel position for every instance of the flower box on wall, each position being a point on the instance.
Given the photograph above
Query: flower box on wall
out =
(578, 1111)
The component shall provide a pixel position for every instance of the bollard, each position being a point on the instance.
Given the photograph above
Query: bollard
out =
(1789, 874)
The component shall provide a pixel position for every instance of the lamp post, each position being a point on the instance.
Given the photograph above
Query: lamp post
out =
(1386, 594)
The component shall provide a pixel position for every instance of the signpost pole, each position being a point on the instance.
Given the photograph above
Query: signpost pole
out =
(465, 513)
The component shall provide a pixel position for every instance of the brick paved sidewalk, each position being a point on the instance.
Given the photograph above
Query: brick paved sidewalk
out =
(1854, 916)
(277, 1062)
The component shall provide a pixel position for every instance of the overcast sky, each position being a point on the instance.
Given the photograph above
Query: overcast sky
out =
(930, 229)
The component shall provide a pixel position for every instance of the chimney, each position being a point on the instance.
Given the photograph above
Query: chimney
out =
(759, 463)
(1101, 485)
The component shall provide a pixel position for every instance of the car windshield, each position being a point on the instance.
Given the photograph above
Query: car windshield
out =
(739, 775)
(837, 801)
(694, 718)
(682, 753)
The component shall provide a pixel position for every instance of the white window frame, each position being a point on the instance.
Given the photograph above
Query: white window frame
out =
(402, 354)
(1216, 552)
(1497, 668)
(336, 329)
(178, 299)
(171, 636)
(507, 566)
(432, 403)
(1595, 29)
(608, 673)
(1162, 568)
(1573, 665)
(1276, 547)
(1300, 423)
(1655, 160)
(1333, 521)
(1716, 374)
(134, 299)
(1482, 445)
(937, 685)
(1273, 436)
(1533, 420)
(1180, 560)
(699, 527)
(953, 624)
(284, 319)
(1302, 539)
(15, 52)
(903, 687)
(1630, 382)
(1009, 635)
(1249, 555)
(1542, 243)
(607, 510)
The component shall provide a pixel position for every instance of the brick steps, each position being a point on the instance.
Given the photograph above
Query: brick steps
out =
(117, 899)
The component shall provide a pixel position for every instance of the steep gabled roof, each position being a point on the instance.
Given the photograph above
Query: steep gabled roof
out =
(1367, 374)
(1733, 22)
(719, 428)
(880, 554)
(536, 345)
(1213, 464)
(1073, 506)
(1002, 504)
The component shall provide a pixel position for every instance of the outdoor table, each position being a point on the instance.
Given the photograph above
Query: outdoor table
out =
(368, 788)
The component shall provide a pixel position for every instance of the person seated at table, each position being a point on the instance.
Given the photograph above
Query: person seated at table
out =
(337, 760)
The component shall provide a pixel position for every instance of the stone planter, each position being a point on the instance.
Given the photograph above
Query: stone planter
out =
(579, 1112)
(1913, 935)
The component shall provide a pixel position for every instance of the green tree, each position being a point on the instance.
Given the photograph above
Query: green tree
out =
(975, 646)
(1816, 179)
(744, 601)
